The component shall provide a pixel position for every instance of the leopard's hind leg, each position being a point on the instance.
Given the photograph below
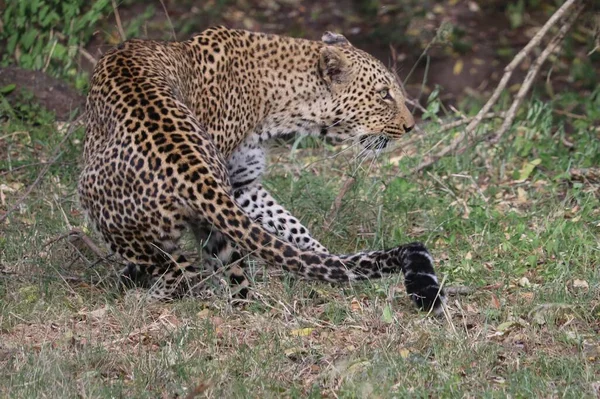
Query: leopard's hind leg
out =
(223, 255)
(161, 266)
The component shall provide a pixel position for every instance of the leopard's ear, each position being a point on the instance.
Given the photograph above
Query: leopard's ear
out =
(334, 39)
(334, 66)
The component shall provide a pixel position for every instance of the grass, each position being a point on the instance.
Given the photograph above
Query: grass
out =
(510, 222)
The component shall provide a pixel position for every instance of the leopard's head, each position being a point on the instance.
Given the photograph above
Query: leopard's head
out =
(366, 101)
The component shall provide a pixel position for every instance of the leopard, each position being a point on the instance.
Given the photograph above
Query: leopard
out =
(176, 141)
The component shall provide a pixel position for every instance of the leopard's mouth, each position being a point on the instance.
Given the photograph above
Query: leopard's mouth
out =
(375, 143)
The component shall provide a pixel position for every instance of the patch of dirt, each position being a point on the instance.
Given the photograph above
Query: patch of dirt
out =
(53, 94)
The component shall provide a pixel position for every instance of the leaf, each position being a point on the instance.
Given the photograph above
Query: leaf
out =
(521, 195)
(295, 353)
(97, 314)
(526, 170)
(387, 315)
(544, 312)
(495, 303)
(355, 305)
(458, 67)
(8, 88)
(301, 332)
(508, 326)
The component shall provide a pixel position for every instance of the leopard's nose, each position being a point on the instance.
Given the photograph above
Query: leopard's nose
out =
(407, 129)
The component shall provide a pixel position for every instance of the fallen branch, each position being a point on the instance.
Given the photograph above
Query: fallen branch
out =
(444, 128)
(508, 71)
(78, 234)
(533, 73)
(57, 154)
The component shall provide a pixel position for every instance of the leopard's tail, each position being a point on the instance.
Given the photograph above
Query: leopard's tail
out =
(413, 260)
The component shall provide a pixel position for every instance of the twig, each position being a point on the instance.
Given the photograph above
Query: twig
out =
(87, 55)
(57, 154)
(394, 68)
(9, 135)
(459, 290)
(570, 114)
(29, 276)
(76, 233)
(508, 70)
(17, 168)
(162, 3)
(443, 128)
(49, 58)
(337, 203)
(533, 72)
(454, 124)
(118, 20)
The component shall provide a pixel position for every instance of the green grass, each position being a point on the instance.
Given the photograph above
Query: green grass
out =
(512, 222)
(525, 239)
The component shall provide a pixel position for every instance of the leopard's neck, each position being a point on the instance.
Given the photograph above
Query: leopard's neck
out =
(268, 84)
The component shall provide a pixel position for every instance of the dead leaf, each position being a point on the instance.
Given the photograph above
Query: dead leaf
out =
(495, 303)
(404, 353)
(524, 282)
(542, 313)
(521, 195)
(528, 296)
(302, 332)
(508, 326)
(295, 353)
(458, 67)
(581, 284)
(355, 305)
(527, 169)
(97, 314)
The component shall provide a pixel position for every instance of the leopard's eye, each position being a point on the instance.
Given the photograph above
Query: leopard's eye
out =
(385, 94)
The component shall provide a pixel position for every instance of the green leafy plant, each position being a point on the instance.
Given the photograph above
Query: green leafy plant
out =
(47, 34)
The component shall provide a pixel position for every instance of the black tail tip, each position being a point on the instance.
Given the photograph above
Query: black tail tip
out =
(429, 299)
(420, 280)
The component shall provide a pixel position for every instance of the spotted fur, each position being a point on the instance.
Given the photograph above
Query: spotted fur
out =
(175, 136)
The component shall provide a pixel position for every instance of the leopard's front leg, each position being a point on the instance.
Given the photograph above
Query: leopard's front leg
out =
(246, 167)
(262, 207)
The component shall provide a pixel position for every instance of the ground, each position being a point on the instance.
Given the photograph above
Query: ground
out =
(514, 229)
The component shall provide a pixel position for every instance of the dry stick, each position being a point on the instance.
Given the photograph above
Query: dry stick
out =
(56, 155)
(470, 129)
(118, 20)
(532, 74)
(87, 55)
(460, 122)
(162, 3)
(77, 233)
(337, 203)
(394, 68)
(443, 128)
